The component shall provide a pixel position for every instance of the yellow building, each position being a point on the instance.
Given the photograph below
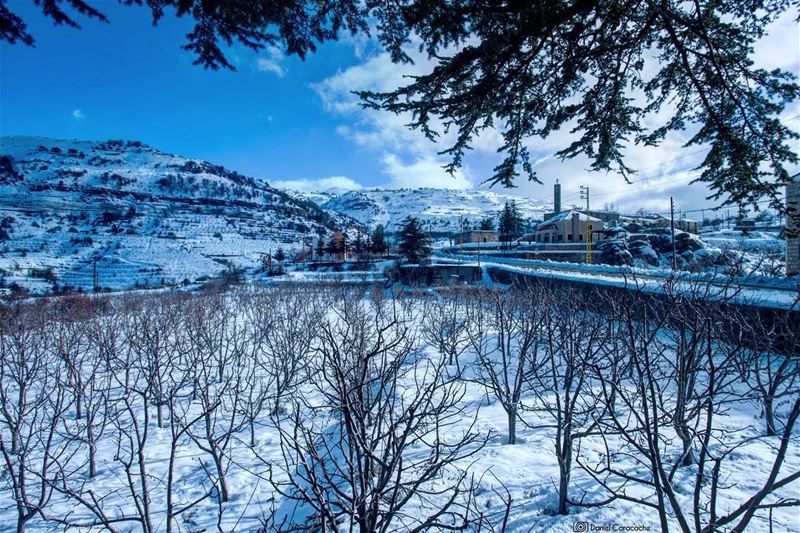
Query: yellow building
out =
(569, 227)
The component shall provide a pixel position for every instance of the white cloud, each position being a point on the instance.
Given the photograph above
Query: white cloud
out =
(422, 172)
(410, 160)
(77, 113)
(330, 184)
(273, 63)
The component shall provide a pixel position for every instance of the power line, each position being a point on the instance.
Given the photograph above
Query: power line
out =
(605, 189)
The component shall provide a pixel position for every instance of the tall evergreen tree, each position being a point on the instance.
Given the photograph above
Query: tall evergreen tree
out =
(487, 224)
(379, 244)
(511, 224)
(413, 241)
(321, 248)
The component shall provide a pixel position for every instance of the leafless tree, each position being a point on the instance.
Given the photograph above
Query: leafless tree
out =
(768, 362)
(562, 378)
(644, 447)
(444, 323)
(374, 443)
(150, 334)
(288, 342)
(217, 341)
(33, 403)
(505, 331)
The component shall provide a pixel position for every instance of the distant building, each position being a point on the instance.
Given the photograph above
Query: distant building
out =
(605, 216)
(684, 224)
(569, 227)
(793, 226)
(476, 236)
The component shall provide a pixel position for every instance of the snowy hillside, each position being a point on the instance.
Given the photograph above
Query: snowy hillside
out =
(121, 214)
(442, 208)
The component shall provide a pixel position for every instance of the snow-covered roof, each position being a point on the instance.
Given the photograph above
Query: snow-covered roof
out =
(565, 215)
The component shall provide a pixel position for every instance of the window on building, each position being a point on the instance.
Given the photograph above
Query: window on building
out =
(560, 238)
(569, 237)
(580, 237)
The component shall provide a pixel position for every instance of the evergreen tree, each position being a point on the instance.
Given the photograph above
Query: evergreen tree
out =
(487, 224)
(511, 223)
(321, 249)
(333, 246)
(379, 244)
(280, 255)
(358, 244)
(413, 241)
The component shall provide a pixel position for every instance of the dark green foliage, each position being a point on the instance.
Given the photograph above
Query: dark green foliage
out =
(298, 26)
(8, 173)
(279, 255)
(47, 274)
(531, 68)
(359, 245)
(379, 244)
(487, 224)
(511, 223)
(413, 241)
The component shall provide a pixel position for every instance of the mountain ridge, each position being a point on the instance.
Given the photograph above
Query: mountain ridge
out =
(137, 215)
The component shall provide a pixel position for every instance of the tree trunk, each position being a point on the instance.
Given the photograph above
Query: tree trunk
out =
(92, 451)
(686, 439)
(769, 416)
(512, 425)
(223, 484)
(78, 403)
(564, 469)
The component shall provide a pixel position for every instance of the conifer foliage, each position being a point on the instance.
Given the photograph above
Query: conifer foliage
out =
(511, 223)
(533, 68)
(413, 241)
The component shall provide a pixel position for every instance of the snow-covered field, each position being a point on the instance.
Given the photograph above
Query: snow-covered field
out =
(272, 408)
(120, 214)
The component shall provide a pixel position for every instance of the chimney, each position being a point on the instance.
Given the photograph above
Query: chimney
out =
(557, 198)
(576, 223)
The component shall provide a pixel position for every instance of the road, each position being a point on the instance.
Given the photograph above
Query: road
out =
(764, 291)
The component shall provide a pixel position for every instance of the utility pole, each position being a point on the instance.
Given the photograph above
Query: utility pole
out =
(672, 229)
(585, 196)
(95, 279)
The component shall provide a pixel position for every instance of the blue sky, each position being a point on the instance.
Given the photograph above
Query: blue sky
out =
(131, 80)
(293, 123)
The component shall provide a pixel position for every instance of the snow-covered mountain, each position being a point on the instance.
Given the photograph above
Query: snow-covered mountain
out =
(120, 213)
(441, 209)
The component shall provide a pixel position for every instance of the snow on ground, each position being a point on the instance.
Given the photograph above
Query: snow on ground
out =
(121, 214)
(527, 472)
